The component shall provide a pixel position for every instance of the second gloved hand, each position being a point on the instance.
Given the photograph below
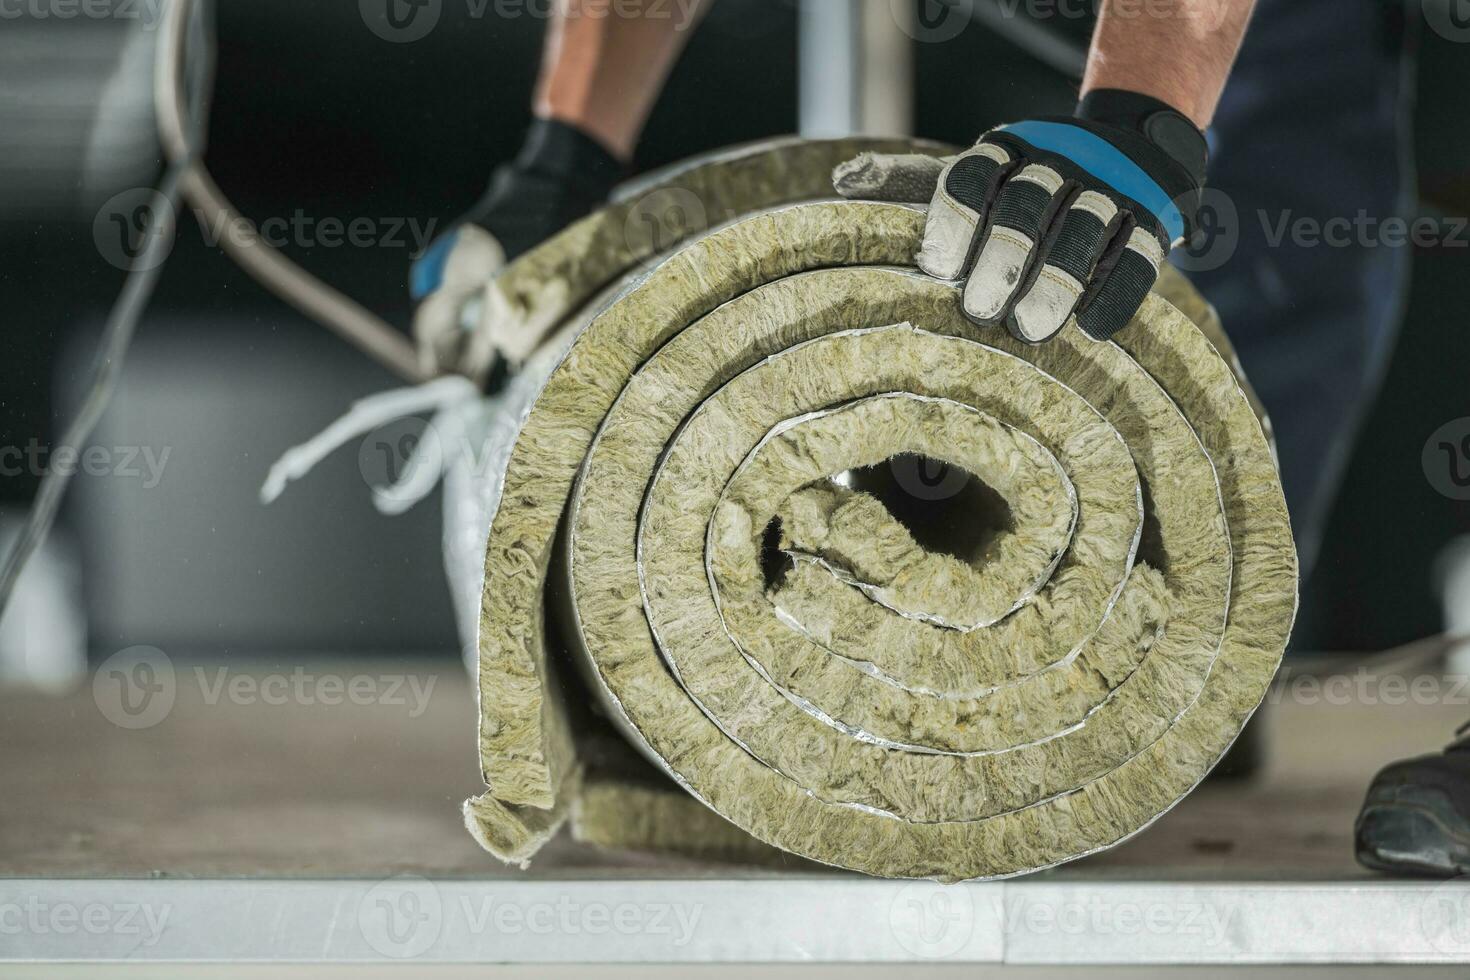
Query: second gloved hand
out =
(560, 175)
(1052, 218)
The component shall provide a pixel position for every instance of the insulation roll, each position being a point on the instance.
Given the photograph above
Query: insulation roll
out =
(880, 587)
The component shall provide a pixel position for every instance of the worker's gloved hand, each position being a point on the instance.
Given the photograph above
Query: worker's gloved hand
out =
(1054, 217)
(561, 175)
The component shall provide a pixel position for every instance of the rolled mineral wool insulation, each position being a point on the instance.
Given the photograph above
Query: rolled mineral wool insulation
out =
(874, 704)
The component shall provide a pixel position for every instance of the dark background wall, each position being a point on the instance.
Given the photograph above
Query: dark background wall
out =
(313, 111)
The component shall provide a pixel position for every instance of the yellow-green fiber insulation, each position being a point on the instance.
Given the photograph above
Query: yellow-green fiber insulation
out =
(874, 704)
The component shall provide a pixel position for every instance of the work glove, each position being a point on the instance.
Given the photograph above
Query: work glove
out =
(560, 175)
(1052, 218)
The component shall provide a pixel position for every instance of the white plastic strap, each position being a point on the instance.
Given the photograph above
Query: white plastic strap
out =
(447, 397)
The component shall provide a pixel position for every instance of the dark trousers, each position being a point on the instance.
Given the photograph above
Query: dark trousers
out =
(1314, 126)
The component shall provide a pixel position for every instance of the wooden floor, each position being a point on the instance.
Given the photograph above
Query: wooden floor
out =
(233, 785)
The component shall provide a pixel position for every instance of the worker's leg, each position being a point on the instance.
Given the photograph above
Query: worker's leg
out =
(602, 69)
(605, 63)
(1314, 127)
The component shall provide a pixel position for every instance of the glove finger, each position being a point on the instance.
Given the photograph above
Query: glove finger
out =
(451, 272)
(438, 333)
(462, 258)
(1087, 227)
(1024, 213)
(904, 178)
(1117, 298)
(484, 347)
(959, 206)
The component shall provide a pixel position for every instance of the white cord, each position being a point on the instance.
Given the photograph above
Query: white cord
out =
(349, 319)
(127, 310)
(117, 334)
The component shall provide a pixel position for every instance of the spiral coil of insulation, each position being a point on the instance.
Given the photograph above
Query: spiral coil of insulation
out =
(679, 531)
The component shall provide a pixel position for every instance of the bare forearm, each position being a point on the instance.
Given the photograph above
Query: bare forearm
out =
(1177, 51)
(606, 61)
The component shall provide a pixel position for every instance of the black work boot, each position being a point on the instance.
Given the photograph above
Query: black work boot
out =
(1416, 819)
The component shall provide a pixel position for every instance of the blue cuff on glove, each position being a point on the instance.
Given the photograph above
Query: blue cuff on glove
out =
(1105, 162)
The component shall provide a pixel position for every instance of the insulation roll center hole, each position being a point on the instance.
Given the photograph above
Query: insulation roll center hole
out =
(947, 510)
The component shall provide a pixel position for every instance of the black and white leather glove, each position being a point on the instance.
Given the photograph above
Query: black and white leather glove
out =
(1053, 218)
